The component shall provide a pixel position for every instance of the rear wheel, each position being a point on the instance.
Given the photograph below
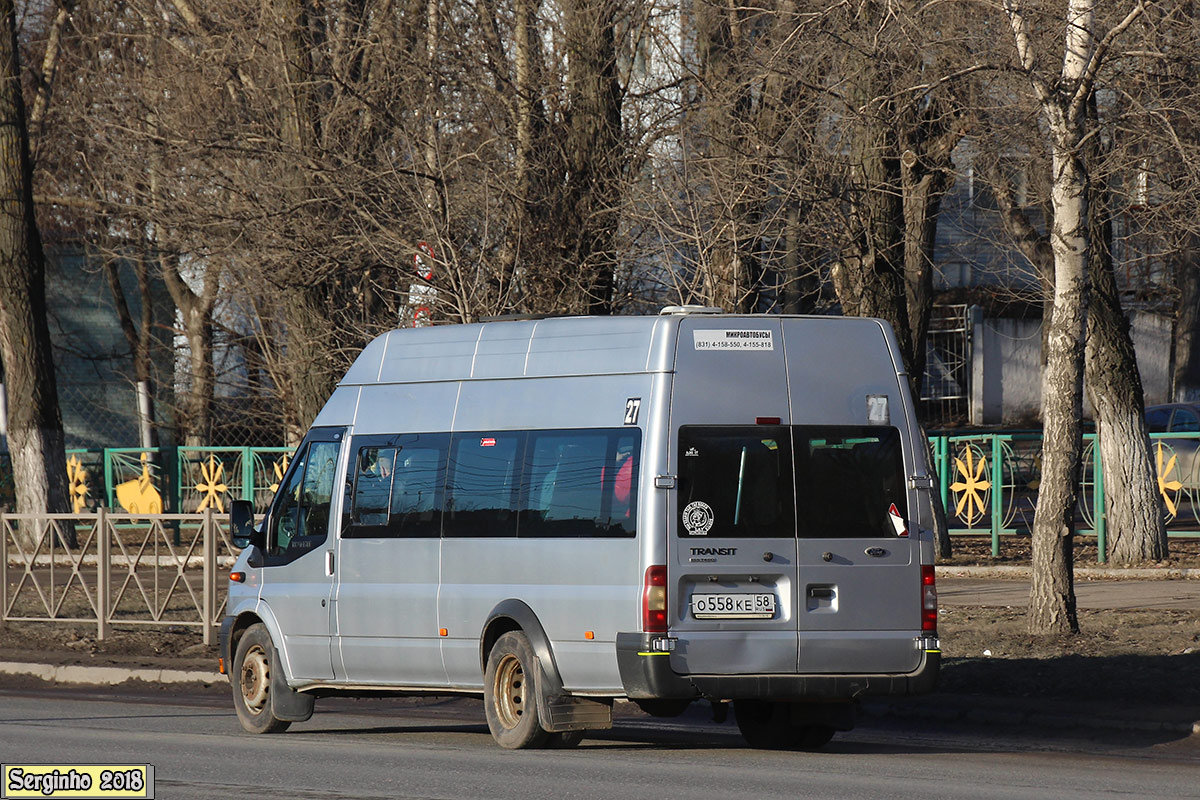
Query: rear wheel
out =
(770, 726)
(510, 683)
(251, 679)
(664, 708)
(565, 740)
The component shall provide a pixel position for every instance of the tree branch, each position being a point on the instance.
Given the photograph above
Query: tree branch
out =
(1088, 80)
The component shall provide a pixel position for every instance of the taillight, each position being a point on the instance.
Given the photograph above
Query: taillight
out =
(928, 599)
(654, 600)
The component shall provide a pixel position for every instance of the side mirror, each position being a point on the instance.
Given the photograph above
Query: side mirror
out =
(241, 524)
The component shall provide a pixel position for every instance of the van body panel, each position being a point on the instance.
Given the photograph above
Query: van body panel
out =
(340, 410)
(387, 611)
(502, 350)
(833, 364)
(709, 393)
(366, 366)
(590, 346)
(572, 585)
(415, 355)
(596, 401)
(406, 407)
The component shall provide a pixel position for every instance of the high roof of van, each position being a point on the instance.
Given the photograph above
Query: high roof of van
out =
(516, 349)
(533, 348)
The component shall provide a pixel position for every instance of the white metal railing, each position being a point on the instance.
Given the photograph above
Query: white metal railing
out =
(159, 569)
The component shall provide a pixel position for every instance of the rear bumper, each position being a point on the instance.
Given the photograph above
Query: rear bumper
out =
(647, 674)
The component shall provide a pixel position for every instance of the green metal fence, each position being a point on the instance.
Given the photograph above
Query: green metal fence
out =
(989, 482)
(182, 480)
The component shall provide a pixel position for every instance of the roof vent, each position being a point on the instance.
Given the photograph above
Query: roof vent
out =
(692, 310)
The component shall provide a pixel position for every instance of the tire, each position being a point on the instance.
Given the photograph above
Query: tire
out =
(564, 740)
(769, 726)
(511, 692)
(251, 681)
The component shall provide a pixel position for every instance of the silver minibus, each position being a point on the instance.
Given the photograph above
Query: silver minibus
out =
(558, 513)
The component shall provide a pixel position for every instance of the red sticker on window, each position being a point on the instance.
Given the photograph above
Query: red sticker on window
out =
(488, 442)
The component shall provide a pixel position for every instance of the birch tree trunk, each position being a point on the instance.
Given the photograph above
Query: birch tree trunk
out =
(197, 312)
(1063, 102)
(1052, 596)
(35, 434)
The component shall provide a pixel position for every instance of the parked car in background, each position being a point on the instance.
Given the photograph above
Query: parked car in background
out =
(1182, 418)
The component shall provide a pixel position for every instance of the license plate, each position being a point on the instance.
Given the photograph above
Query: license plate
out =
(733, 606)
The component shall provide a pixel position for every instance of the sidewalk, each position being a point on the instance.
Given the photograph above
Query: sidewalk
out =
(1091, 594)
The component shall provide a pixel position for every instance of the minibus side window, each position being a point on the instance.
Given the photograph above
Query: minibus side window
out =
(375, 471)
(483, 484)
(847, 479)
(581, 483)
(419, 486)
(395, 486)
(301, 518)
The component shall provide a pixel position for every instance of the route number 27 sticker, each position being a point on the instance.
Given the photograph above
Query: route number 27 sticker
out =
(632, 407)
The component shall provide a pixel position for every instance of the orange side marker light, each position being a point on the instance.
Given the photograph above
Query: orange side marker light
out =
(589, 635)
(443, 632)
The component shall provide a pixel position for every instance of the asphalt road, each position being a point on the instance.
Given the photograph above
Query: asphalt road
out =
(441, 749)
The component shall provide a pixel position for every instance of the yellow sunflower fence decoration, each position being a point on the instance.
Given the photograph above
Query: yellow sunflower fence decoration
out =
(972, 489)
(1169, 487)
(212, 486)
(77, 486)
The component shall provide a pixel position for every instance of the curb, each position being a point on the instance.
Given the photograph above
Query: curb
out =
(106, 676)
(1026, 573)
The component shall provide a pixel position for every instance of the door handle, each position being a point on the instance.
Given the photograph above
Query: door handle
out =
(820, 592)
(328, 563)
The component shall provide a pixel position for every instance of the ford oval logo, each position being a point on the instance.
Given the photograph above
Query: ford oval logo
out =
(876, 552)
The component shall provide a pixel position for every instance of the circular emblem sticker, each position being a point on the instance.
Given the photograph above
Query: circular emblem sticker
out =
(697, 518)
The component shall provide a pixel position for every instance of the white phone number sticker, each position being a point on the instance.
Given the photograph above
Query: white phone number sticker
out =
(733, 340)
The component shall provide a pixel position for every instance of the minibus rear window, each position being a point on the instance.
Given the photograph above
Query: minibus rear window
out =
(736, 482)
(816, 482)
(847, 479)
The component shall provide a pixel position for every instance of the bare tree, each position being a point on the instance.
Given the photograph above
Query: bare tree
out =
(1063, 101)
(35, 434)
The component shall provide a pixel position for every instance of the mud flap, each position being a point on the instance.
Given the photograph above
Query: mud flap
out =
(286, 702)
(559, 712)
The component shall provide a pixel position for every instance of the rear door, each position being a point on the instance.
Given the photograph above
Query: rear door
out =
(731, 537)
(858, 566)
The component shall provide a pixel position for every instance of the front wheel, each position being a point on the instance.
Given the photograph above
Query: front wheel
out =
(510, 683)
(251, 679)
